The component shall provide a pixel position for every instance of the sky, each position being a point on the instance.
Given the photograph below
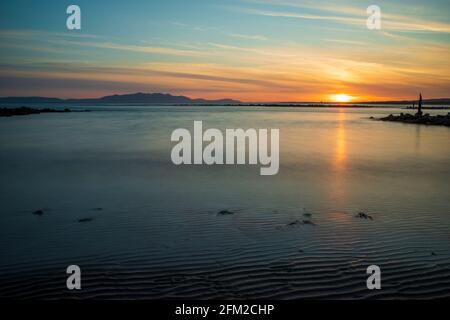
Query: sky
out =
(250, 50)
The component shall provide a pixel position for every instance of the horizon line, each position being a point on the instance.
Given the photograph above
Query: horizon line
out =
(226, 98)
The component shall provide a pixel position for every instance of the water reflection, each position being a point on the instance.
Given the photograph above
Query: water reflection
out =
(339, 162)
(418, 138)
(340, 155)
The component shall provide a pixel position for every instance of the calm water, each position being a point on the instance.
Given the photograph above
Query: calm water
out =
(155, 231)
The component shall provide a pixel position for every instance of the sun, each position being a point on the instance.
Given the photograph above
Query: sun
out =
(342, 98)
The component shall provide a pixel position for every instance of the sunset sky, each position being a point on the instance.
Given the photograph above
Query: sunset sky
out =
(251, 50)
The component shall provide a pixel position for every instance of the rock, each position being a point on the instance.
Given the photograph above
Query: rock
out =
(363, 215)
(308, 222)
(23, 111)
(439, 120)
(85, 220)
(294, 223)
(224, 213)
(38, 213)
(303, 222)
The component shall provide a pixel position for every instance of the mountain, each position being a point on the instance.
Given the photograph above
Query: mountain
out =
(135, 98)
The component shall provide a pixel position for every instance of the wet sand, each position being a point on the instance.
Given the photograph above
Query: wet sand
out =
(141, 228)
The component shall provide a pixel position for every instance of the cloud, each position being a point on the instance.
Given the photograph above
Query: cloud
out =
(266, 71)
(349, 15)
(351, 42)
(88, 40)
(348, 20)
(247, 37)
(138, 48)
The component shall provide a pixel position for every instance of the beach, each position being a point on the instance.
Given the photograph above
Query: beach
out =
(112, 202)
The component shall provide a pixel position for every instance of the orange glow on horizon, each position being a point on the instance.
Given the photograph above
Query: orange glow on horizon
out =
(341, 98)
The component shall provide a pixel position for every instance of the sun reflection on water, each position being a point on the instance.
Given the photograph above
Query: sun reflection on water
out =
(340, 155)
(339, 163)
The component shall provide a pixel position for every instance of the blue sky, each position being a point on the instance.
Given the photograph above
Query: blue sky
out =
(253, 50)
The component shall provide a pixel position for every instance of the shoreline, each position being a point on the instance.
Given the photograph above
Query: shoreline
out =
(25, 111)
(361, 105)
(315, 105)
(426, 119)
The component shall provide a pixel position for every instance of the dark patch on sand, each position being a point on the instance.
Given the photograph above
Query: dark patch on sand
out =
(225, 213)
(298, 222)
(39, 213)
(363, 215)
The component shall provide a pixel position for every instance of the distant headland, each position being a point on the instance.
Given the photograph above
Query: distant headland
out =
(134, 98)
(169, 99)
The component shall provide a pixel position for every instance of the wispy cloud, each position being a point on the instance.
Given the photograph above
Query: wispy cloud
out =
(347, 15)
(138, 48)
(247, 36)
(285, 14)
(27, 34)
(88, 40)
(266, 73)
(346, 42)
